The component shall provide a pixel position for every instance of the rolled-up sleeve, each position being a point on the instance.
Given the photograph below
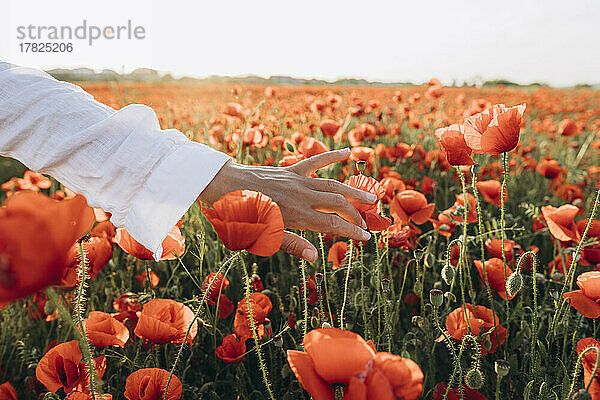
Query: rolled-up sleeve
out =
(121, 161)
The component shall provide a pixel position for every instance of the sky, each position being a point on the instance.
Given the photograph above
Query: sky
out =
(555, 42)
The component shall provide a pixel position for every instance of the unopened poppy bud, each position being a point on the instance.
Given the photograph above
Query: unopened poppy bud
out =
(581, 394)
(325, 325)
(475, 169)
(577, 202)
(514, 283)
(278, 341)
(386, 285)
(314, 322)
(448, 274)
(487, 343)
(361, 166)
(418, 321)
(501, 367)
(418, 288)
(474, 378)
(293, 303)
(554, 294)
(557, 276)
(289, 147)
(437, 285)
(49, 308)
(450, 297)
(318, 278)
(436, 297)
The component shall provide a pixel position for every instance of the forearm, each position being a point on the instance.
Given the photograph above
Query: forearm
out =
(120, 160)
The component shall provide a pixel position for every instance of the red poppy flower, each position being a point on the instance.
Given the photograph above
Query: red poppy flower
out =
(561, 222)
(173, 245)
(88, 396)
(311, 147)
(150, 383)
(336, 356)
(454, 393)
(392, 187)
(247, 220)
(589, 362)
(329, 127)
(369, 212)
(36, 233)
(234, 110)
(7, 392)
(103, 330)
(154, 279)
(549, 168)
(494, 247)
(460, 202)
(585, 300)
(495, 130)
(104, 229)
(568, 127)
(261, 306)
(98, 251)
(62, 367)
(213, 297)
(457, 327)
(128, 309)
(232, 349)
(397, 236)
(494, 268)
(490, 190)
(337, 254)
(166, 321)
(452, 140)
(411, 206)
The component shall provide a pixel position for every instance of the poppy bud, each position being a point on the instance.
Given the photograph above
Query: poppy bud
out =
(278, 341)
(49, 308)
(361, 165)
(436, 297)
(418, 288)
(289, 147)
(487, 343)
(448, 274)
(582, 394)
(475, 169)
(474, 378)
(385, 285)
(437, 285)
(314, 322)
(450, 297)
(418, 321)
(325, 325)
(501, 367)
(514, 283)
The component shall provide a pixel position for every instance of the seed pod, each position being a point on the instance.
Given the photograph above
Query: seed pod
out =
(318, 278)
(418, 288)
(514, 283)
(501, 367)
(361, 166)
(385, 285)
(436, 297)
(474, 378)
(487, 343)
(278, 341)
(448, 274)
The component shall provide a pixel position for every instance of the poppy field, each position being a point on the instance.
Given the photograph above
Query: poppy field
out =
(481, 279)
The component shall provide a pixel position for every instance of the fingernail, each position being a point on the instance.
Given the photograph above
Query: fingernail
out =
(366, 235)
(346, 150)
(309, 255)
(371, 197)
(363, 224)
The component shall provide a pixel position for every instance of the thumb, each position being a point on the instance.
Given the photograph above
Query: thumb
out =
(298, 247)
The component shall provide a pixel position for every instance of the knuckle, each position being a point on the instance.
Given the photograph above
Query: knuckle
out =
(339, 201)
(335, 222)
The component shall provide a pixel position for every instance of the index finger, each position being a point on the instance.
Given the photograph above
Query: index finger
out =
(333, 186)
(311, 164)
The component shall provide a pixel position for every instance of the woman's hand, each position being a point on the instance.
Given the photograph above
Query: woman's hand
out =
(315, 204)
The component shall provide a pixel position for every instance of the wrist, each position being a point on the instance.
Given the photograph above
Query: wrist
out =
(232, 176)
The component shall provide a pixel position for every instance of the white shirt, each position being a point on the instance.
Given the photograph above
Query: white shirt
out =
(121, 161)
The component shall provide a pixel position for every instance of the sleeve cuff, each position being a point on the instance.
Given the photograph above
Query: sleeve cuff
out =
(170, 190)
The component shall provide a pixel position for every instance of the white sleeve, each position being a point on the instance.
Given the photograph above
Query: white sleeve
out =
(121, 161)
